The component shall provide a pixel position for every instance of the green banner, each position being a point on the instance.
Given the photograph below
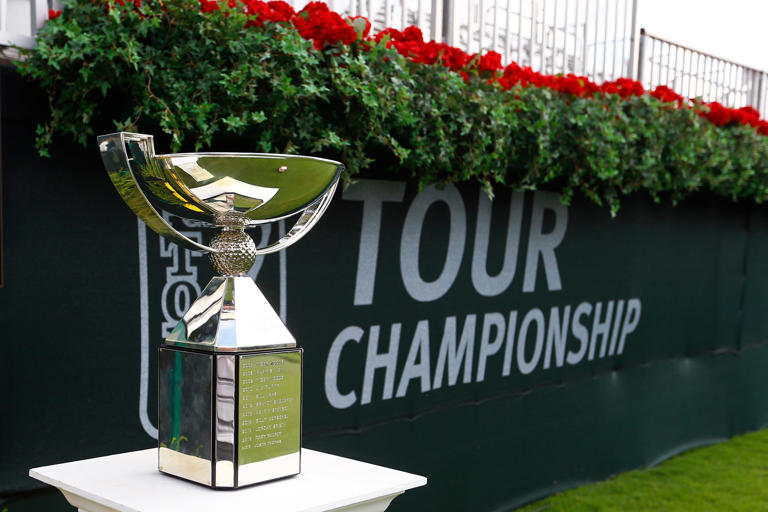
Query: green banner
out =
(505, 349)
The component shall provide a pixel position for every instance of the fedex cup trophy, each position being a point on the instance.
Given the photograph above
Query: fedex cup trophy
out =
(230, 374)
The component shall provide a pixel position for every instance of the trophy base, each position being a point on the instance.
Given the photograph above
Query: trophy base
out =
(228, 420)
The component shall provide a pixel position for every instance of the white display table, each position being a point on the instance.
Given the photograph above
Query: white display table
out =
(130, 482)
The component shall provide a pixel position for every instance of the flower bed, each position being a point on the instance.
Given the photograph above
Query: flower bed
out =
(314, 82)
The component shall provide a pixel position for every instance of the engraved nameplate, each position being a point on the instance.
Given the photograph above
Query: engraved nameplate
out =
(269, 406)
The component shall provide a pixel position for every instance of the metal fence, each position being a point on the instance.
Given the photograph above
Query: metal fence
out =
(595, 38)
(696, 74)
(592, 38)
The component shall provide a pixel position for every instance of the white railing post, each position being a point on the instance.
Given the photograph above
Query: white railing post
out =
(640, 57)
(38, 14)
(4, 15)
(634, 43)
(436, 21)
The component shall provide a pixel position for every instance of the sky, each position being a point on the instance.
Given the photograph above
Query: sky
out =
(735, 30)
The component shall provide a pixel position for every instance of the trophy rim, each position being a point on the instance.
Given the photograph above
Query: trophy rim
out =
(248, 155)
(252, 223)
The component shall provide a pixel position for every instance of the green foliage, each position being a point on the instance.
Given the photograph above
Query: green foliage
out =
(200, 76)
(729, 476)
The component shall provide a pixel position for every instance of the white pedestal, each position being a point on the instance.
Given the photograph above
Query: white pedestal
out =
(130, 482)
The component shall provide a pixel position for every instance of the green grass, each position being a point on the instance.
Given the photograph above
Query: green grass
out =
(731, 476)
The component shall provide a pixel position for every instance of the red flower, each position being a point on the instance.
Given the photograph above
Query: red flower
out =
(323, 26)
(667, 95)
(748, 115)
(512, 73)
(721, 116)
(276, 11)
(454, 58)
(624, 87)
(717, 114)
(491, 61)
(280, 11)
(393, 34)
(633, 87)
(412, 33)
(52, 15)
(205, 5)
(571, 84)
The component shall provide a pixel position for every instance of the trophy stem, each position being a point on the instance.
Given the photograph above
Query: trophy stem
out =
(231, 315)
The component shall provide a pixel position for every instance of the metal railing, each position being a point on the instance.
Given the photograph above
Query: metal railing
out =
(586, 37)
(595, 38)
(696, 74)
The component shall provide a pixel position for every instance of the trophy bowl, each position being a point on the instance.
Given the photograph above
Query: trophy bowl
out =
(230, 373)
(228, 190)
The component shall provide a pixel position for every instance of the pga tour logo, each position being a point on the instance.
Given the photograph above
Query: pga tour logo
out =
(455, 350)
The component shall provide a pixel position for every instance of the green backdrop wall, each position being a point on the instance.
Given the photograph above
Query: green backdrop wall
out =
(504, 349)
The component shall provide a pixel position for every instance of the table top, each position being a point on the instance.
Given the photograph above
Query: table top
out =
(130, 482)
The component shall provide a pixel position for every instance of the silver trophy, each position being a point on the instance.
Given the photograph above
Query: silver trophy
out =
(230, 373)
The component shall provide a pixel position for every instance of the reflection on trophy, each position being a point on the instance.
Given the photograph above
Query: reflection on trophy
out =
(230, 374)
